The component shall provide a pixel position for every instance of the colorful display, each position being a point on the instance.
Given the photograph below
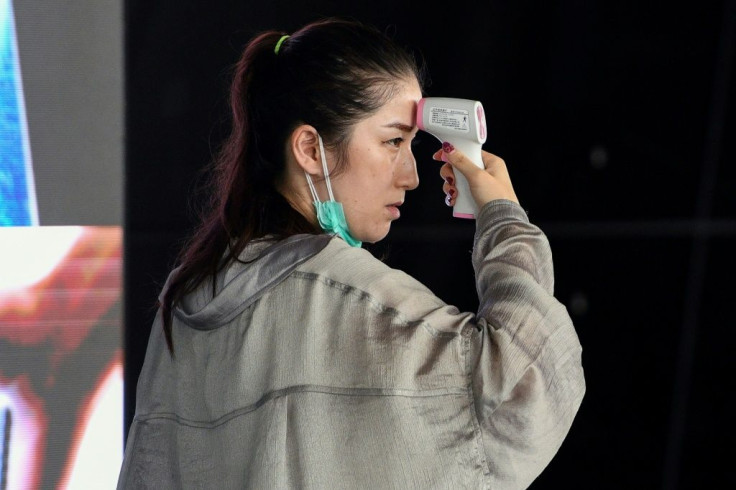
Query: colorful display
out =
(61, 373)
(60, 357)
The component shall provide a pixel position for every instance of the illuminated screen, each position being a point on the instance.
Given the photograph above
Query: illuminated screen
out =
(17, 193)
(61, 120)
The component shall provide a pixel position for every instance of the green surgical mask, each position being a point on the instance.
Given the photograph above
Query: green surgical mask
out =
(330, 214)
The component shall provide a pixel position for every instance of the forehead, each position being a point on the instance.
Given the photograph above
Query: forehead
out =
(402, 104)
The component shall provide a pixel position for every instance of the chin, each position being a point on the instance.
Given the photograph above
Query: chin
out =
(376, 235)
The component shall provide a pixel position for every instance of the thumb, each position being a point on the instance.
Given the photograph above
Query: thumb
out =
(459, 160)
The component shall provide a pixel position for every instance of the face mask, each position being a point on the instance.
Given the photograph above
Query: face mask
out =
(330, 214)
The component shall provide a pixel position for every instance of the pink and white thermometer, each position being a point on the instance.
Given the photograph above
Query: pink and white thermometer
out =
(462, 123)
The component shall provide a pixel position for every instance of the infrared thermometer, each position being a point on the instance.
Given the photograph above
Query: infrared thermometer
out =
(462, 123)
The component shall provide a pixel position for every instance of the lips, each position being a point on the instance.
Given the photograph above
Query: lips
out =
(394, 209)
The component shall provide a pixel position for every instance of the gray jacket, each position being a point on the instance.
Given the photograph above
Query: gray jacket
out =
(316, 366)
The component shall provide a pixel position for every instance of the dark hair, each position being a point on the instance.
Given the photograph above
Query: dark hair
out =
(329, 74)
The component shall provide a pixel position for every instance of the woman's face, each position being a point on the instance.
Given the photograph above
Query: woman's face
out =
(380, 166)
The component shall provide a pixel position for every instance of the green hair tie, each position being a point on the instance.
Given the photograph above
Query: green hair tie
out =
(278, 44)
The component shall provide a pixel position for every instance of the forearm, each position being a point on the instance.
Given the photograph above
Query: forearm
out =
(528, 380)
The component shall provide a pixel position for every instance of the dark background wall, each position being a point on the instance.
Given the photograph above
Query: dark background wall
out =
(616, 119)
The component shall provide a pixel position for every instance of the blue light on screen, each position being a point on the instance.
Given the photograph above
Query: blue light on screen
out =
(17, 193)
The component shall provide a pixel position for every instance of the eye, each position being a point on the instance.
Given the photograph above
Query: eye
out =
(395, 141)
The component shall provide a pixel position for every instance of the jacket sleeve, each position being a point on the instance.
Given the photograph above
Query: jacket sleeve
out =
(524, 355)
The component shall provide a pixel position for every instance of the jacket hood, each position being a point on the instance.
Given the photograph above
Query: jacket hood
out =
(262, 265)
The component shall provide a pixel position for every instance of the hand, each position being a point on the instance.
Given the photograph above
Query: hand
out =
(486, 184)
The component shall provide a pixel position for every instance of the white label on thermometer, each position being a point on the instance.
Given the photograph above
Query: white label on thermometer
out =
(453, 119)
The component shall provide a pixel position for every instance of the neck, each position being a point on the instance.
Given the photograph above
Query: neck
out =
(298, 196)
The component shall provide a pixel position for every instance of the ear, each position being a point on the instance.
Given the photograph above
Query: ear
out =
(304, 145)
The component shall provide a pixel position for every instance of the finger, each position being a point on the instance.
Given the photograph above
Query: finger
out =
(447, 174)
(440, 156)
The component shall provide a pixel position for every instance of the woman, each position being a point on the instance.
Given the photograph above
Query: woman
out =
(285, 356)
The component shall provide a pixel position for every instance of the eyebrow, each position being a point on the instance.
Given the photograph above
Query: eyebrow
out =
(401, 126)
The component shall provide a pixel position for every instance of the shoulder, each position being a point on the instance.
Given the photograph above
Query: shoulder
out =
(356, 270)
(356, 267)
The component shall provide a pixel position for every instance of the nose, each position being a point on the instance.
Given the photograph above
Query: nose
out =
(407, 177)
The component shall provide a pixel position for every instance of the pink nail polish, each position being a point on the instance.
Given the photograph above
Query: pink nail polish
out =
(447, 147)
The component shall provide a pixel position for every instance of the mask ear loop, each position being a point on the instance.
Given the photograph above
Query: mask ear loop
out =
(324, 168)
(312, 189)
(315, 197)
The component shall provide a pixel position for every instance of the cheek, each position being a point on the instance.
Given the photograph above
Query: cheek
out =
(368, 186)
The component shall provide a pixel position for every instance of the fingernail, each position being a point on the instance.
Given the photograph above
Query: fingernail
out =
(450, 180)
(447, 147)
